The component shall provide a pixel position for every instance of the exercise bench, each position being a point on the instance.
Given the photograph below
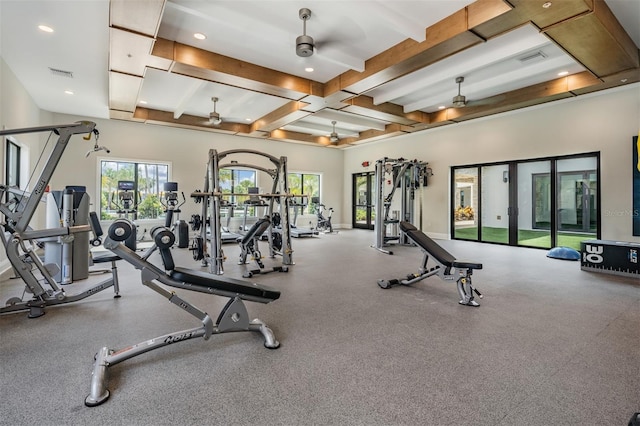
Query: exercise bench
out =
(232, 318)
(249, 246)
(447, 266)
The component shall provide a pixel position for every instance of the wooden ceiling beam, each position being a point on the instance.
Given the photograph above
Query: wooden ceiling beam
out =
(445, 38)
(390, 130)
(289, 136)
(363, 105)
(603, 46)
(197, 63)
(559, 88)
(154, 116)
(287, 113)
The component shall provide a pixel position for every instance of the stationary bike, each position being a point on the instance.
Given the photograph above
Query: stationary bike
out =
(324, 222)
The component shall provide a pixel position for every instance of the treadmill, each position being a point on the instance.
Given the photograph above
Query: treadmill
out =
(226, 236)
(298, 204)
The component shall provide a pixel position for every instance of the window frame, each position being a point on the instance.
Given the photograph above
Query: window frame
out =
(104, 213)
(309, 207)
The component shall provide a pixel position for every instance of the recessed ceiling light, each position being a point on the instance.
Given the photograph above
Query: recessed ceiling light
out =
(547, 5)
(563, 73)
(247, 119)
(441, 107)
(199, 36)
(68, 92)
(308, 69)
(143, 102)
(45, 28)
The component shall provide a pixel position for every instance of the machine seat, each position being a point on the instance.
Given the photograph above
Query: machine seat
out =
(227, 284)
(105, 258)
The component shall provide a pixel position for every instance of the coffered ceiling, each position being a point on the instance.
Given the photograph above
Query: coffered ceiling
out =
(380, 68)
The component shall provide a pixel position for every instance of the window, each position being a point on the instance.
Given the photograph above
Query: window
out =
(305, 184)
(12, 165)
(237, 181)
(148, 183)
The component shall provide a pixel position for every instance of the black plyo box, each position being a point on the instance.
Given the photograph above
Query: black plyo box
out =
(611, 257)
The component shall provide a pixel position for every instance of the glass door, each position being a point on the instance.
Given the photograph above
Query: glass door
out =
(541, 203)
(577, 200)
(494, 200)
(465, 203)
(363, 196)
(533, 207)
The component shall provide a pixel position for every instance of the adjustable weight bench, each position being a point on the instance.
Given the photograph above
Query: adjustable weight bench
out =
(249, 246)
(447, 266)
(232, 318)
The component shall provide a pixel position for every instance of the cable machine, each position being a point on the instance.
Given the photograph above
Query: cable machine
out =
(212, 198)
(396, 176)
(21, 242)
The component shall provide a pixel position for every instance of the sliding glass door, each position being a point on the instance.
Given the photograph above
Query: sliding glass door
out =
(494, 207)
(534, 204)
(577, 200)
(465, 203)
(531, 203)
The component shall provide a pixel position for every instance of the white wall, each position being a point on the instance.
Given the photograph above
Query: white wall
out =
(604, 121)
(188, 152)
(18, 110)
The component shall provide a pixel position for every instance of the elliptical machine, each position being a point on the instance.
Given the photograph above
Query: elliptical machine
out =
(172, 208)
(127, 208)
(324, 222)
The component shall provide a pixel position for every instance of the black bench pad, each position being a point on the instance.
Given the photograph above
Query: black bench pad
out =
(435, 250)
(256, 230)
(466, 264)
(105, 258)
(231, 285)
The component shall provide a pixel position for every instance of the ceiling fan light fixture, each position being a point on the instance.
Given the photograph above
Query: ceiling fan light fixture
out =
(333, 137)
(304, 43)
(304, 46)
(214, 116)
(459, 101)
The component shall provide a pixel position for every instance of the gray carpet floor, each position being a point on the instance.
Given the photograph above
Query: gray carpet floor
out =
(549, 345)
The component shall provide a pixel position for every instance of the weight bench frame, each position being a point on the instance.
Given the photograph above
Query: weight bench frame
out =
(447, 266)
(232, 318)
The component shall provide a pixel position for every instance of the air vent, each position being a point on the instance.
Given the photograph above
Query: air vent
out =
(61, 73)
(537, 56)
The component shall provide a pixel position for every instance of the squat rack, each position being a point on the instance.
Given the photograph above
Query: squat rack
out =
(212, 195)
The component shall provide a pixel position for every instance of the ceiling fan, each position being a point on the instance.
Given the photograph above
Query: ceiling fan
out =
(333, 137)
(214, 116)
(304, 43)
(459, 101)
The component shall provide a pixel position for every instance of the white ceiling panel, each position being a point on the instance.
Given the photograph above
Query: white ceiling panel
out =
(347, 34)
